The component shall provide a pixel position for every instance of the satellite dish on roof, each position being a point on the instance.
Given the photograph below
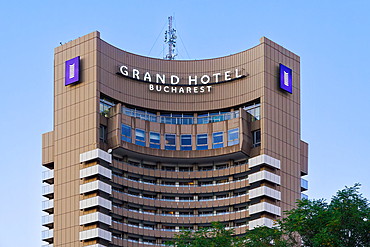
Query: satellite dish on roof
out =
(110, 151)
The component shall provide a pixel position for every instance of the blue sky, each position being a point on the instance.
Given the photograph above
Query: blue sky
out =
(331, 37)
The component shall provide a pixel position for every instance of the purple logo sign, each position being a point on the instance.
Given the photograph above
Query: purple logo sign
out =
(72, 70)
(286, 78)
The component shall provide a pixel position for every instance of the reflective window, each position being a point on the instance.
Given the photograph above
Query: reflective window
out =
(233, 137)
(170, 142)
(141, 114)
(104, 106)
(256, 138)
(216, 117)
(202, 141)
(140, 137)
(154, 140)
(203, 119)
(186, 143)
(180, 118)
(255, 111)
(218, 140)
(177, 118)
(187, 119)
(126, 133)
(103, 133)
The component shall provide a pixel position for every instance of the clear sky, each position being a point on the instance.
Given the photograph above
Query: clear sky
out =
(331, 37)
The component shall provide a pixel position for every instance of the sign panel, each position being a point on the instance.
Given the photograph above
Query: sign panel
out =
(175, 84)
(286, 82)
(72, 71)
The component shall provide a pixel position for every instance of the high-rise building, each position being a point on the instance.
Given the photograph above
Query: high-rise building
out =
(144, 146)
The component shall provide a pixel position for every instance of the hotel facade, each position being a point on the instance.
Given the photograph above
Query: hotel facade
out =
(142, 147)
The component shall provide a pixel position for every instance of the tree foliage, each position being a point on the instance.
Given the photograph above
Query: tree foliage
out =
(215, 236)
(344, 222)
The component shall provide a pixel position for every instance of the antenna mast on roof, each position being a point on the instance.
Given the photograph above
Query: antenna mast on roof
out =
(170, 39)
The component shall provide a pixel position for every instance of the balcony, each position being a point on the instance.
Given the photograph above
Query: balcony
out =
(95, 154)
(48, 206)
(47, 236)
(264, 175)
(95, 233)
(48, 191)
(304, 196)
(95, 185)
(95, 217)
(265, 191)
(48, 245)
(183, 119)
(95, 201)
(304, 184)
(48, 220)
(261, 222)
(96, 170)
(265, 207)
(48, 177)
(264, 160)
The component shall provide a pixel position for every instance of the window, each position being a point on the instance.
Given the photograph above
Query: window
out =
(233, 137)
(186, 143)
(256, 138)
(141, 114)
(187, 119)
(103, 133)
(105, 104)
(202, 141)
(218, 139)
(170, 142)
(254, 110)
(140, 137)
(176, 118)
(154, 140)
(203, 118)
(126, 133)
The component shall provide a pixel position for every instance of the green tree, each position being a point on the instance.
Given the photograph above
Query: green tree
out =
(215, 236)
(266, 237)
(344, 222)
(218, 236)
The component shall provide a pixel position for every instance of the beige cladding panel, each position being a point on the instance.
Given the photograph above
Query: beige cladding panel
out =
(75, 132)
(222, 95)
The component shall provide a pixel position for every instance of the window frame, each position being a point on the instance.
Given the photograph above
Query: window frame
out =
(230, 134)
(169, 146)
(152, 143)
(254, 138)
(186, 147)
(139, 141)
(203, 146)
(127, 137)
(219, 144)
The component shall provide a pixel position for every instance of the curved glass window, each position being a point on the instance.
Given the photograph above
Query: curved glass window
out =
(218, 139)
(126, 133)
(202, 141)
(154, 140)
(170, 142)
(233, 137)
(140, 137)
(180, 118)
(186, 143)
